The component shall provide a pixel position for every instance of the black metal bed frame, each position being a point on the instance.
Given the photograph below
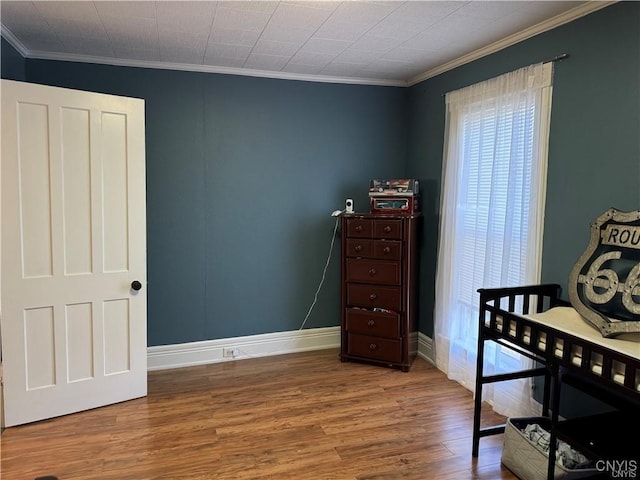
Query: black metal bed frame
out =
(501, 323)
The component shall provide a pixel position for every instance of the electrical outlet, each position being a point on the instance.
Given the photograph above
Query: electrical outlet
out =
(229, 352)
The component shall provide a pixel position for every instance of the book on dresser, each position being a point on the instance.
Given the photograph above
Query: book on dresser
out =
(379, 273)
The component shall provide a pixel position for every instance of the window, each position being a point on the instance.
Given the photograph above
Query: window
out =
(492, 207)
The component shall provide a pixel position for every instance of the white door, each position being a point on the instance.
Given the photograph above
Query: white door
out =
(73, 242)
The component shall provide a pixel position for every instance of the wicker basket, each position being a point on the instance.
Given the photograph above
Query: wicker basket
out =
(526, 460)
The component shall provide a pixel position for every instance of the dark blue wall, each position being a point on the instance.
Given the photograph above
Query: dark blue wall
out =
(242, 176)
(243, 172)
(594, 144)
(12, 64)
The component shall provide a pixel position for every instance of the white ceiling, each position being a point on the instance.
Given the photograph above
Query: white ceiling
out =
(353, 41)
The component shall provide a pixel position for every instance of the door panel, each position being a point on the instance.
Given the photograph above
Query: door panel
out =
(76, 175)
(79, 330)
(73, 231)
(114, 185)
(34, 192)
(39, 345)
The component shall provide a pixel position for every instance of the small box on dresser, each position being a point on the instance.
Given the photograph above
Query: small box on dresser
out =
(379, 268)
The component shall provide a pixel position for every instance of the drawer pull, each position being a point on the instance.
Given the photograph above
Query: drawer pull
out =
(358, 228)
(387, 229)
(373, 346)
(373, 296)
(371, 323)
(358, 248)
(386, 250)
(372, 272)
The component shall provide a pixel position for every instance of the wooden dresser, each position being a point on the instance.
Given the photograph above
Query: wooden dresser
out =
(379, 289)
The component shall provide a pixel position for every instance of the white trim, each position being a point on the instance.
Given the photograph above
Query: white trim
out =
(211, 351)
(566, 17)
(163, 357)
(245, 72)
(425, 348)
(13, 40)
(187, 67)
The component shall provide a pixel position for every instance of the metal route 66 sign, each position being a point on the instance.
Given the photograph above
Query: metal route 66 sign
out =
(604, 284)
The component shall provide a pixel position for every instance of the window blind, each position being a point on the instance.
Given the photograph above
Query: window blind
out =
(492, 207)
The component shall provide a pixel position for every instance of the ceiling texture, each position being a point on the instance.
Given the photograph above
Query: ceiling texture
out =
(393, 42)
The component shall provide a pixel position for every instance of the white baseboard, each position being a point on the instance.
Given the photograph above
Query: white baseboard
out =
(425, 348)
(211, 351)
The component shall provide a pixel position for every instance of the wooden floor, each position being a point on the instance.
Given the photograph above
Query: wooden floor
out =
(298, 416)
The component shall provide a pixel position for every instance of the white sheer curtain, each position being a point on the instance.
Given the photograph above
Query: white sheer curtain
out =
(492, 209)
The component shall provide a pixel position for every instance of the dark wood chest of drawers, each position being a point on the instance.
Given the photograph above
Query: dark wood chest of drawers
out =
(379, 289)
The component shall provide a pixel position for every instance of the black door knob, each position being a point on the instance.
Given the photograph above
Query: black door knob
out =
(136, 285)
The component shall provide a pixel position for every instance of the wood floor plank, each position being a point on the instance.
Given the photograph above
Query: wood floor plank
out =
(299, 416)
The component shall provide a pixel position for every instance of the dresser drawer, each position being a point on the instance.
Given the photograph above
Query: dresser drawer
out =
(386, 349)
(378, 324)
(382, 249)
(387, 228)
(359, 247)
(359, 227)
(373, 296)
(388, 249)
(373, 271)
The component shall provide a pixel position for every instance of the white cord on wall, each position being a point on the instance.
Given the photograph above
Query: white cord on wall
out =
(326, 265)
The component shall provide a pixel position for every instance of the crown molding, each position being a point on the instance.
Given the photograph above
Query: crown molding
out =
(566, 17)
(13, 41)
(246, 72)
(69, 57)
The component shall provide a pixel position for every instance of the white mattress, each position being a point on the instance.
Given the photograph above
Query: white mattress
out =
(568, 320)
